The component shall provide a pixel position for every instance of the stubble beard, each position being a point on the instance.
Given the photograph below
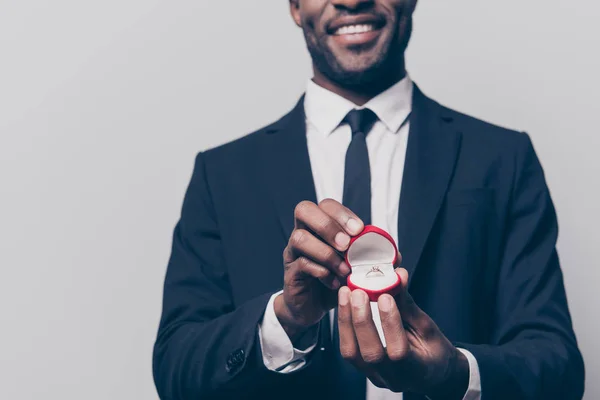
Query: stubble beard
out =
(385, 64)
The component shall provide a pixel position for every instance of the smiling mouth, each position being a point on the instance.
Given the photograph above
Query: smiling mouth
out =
(355, 24)
(356, 33)
(354, 29)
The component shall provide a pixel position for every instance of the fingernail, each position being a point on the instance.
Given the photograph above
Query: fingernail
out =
(385, 303)
(354, 226)
(343, 296)
(358, 298)
(335, 284)
(344, 268)
(342, 240)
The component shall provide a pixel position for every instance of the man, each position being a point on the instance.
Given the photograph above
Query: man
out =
(255, 300)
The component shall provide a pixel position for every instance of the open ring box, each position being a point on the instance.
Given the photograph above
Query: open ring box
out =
(371, 257)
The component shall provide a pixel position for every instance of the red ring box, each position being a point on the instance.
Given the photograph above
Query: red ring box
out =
(373, 247)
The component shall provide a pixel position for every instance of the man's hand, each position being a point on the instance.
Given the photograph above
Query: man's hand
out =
(314, 266)
(417, 357)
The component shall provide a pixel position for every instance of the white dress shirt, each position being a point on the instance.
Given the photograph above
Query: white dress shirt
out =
(327, 144)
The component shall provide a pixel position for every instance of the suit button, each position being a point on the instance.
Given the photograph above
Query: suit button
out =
(235, 360)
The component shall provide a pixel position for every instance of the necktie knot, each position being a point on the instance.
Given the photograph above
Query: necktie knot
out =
(360, 121)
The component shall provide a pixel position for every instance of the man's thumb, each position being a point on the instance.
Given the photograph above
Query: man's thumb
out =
(406, 304)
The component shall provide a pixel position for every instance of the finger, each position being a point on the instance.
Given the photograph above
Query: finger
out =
(348, 346)
(351, 223)
(403, 274)
(307, 267)
(309, 216)
(398, 263)
(410, 311)
(304, 243)
(369, 343)
(408, 308)
(393, 330)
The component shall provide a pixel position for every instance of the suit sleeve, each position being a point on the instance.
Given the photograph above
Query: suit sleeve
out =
(533, 352)
(206, 347)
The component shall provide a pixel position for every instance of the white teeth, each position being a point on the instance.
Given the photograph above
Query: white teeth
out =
(352, 29)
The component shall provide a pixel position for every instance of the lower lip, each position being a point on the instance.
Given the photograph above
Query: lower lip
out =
(356, 39)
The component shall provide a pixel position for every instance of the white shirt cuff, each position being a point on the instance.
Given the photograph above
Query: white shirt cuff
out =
(474, 389)
(278, 353)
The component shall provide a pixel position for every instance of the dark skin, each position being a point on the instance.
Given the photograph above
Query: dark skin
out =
(357, 70)
(358, 65)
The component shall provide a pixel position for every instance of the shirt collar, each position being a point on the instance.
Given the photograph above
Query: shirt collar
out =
(325, 110)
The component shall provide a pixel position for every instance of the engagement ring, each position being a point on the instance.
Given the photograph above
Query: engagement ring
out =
(375, 270)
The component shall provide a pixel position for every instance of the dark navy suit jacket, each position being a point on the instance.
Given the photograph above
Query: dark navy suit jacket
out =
(477, 232)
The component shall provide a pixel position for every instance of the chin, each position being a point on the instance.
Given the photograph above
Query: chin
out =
(354, 66)
(358, 66)
(359, 70)
(361, 77)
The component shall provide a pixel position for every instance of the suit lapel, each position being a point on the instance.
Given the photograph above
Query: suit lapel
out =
(286, 164)
(431, 155)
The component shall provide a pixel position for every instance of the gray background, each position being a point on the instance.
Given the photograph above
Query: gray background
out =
(104, 104)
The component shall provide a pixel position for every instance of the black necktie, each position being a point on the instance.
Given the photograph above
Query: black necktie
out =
(349, 383)
(357, 173)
